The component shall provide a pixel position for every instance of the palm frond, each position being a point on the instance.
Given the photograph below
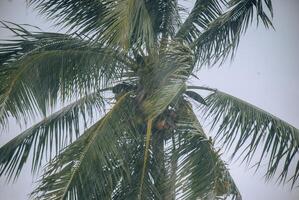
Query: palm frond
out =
(80, 16)
(50, 135)
(168, 78)
(93, 165)
(130, 18)
(165, 17)
(141, 184)
(248, 128)
(118, 23)
(221, 37)
(37, 68)
(128, 24)
(202, 14)
(195, 96)
(200, 171)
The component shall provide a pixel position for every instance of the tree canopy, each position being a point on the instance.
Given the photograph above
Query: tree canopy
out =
(126, 126)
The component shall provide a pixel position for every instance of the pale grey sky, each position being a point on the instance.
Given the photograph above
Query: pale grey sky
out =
(264, 72)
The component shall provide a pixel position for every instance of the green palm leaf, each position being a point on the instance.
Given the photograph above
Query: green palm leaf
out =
(128, 24)
(202, 14)
(142, 184)
(50, 135)
(214, 33)
(165, 17)
(248, 128)
(93, 165)
(37, 68)
(81, 16)
(200, 172)
(222, 37)
(168, 79)
(126, 21)
(121, 23)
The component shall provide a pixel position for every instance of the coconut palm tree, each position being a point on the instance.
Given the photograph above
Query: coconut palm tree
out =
(118, 115)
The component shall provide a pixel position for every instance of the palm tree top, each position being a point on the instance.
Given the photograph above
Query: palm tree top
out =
(127, 128)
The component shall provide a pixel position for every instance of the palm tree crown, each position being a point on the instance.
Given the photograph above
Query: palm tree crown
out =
(127, 128)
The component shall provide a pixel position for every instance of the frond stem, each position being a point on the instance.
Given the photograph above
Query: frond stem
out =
(147, 143)
(202, 88)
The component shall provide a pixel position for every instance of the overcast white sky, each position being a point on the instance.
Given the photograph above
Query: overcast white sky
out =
(264, 72)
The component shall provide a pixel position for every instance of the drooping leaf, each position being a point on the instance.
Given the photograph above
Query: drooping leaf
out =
(196, 97)
(38, 68)
(92, 166)
(246, 128)
(200, 171)
(222, 36)
(49, 136)
(214, 28)
(201, 15)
